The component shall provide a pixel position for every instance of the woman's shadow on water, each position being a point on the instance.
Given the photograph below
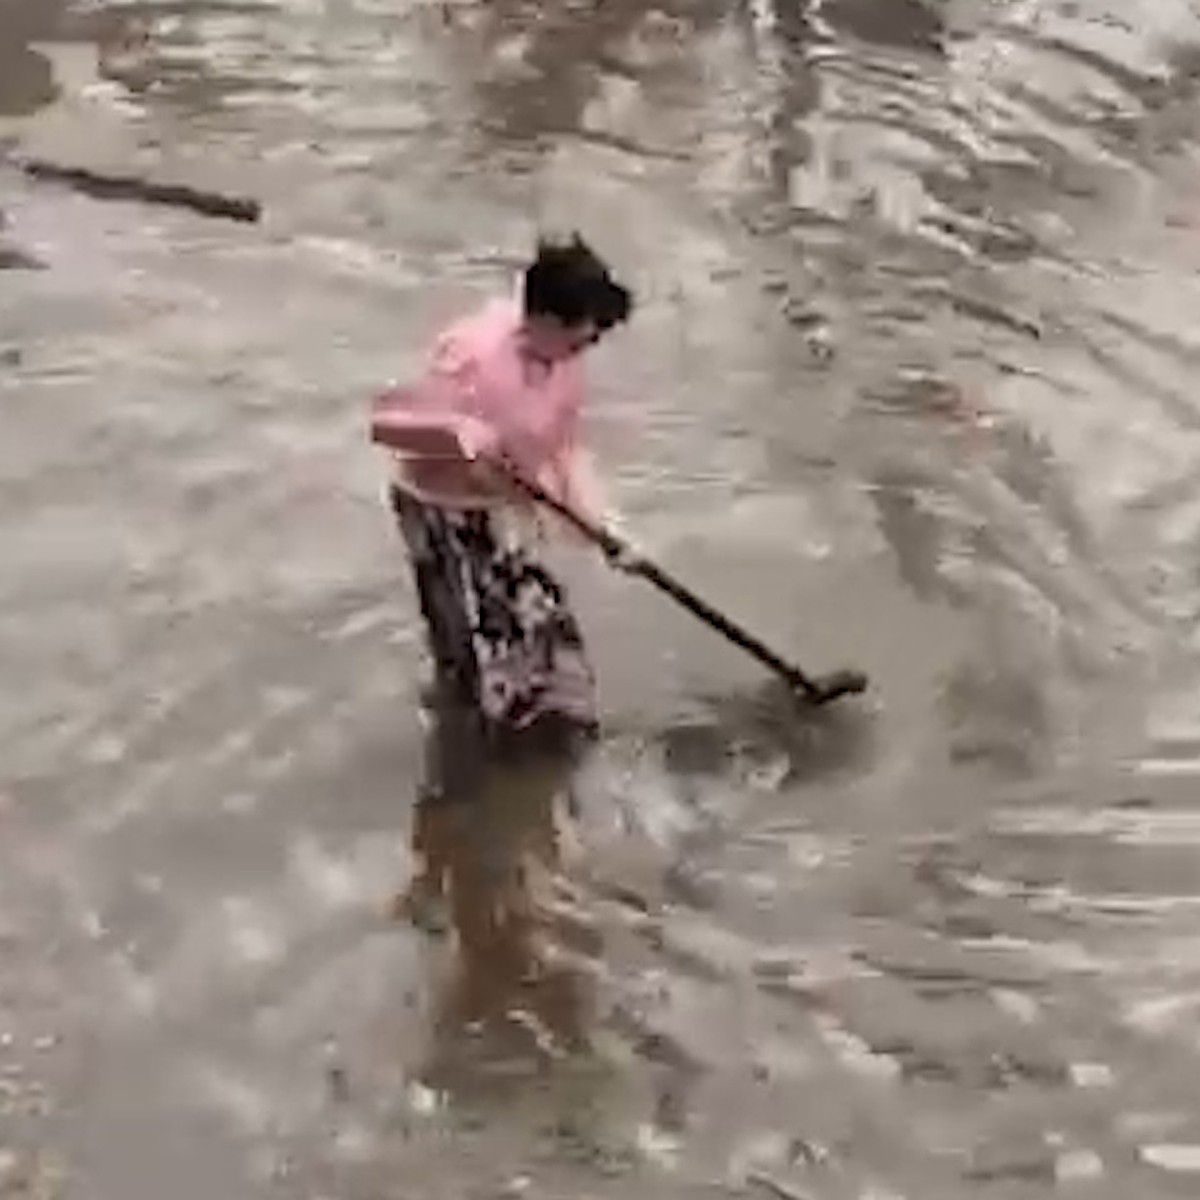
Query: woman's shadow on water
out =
(487, 841)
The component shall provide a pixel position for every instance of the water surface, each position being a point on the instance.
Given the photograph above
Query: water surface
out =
(909, 386)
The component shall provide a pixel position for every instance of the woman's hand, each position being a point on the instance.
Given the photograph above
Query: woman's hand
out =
(477, 441)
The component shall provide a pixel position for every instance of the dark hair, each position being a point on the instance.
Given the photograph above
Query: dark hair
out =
(570, 281)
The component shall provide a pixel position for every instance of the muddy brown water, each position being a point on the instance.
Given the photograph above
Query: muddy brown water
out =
(910, 386)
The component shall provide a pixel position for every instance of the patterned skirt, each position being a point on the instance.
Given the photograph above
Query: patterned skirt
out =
(504, 640)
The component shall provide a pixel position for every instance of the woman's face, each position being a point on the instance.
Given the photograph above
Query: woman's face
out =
(551, 339)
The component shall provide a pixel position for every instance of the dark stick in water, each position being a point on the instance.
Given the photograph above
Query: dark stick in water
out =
(133, 187)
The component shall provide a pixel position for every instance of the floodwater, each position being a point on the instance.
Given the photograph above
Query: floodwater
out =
(910, 387)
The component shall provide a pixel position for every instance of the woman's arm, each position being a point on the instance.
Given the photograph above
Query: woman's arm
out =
(575, 480)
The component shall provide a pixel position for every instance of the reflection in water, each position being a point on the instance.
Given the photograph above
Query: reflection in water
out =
(486, 847)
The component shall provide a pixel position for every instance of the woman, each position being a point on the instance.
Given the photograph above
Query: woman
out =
(505, 383)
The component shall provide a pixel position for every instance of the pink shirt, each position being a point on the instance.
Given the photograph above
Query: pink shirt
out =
(480, 370)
